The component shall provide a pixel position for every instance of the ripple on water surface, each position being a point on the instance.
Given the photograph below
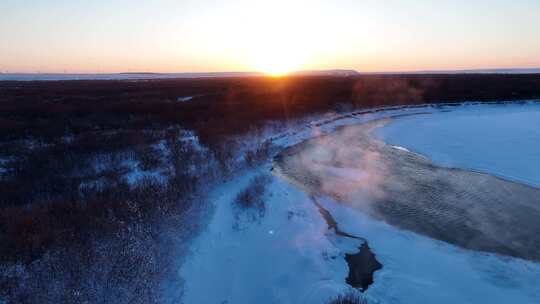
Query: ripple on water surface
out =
(470, 209)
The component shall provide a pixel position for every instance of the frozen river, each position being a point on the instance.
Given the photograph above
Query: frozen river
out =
(503, 140)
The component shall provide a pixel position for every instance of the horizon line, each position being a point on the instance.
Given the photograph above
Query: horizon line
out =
(142, 72)
(38, 76)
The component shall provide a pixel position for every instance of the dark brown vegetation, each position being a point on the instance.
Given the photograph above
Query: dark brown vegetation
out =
(50, 109)
(250, 205)
(75, 229)
(67, 149)
(251, 196)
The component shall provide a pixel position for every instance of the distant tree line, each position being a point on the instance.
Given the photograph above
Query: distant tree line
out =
(101, 182)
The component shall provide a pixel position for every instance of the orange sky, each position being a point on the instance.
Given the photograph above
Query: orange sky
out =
(269, 36)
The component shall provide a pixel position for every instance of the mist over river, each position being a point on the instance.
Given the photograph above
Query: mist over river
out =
(473, 209)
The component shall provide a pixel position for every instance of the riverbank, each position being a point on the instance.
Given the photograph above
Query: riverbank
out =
(291, 256)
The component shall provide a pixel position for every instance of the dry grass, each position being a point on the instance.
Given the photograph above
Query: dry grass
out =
(348, 298)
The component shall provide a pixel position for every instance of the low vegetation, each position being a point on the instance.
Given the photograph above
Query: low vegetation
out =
(249, 203)
(101, 182)
(252, 196)
(77, 228)
(348, 298)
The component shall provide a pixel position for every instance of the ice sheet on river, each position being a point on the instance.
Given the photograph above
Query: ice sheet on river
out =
(469, 209)
(498, 139)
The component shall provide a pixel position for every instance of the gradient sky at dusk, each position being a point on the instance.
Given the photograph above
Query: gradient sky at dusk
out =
(239, 35)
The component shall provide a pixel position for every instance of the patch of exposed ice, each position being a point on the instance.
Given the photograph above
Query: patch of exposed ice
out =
(400, 148)
(185, 98)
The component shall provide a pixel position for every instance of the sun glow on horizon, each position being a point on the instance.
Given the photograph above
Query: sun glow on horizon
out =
(275, 68)
(282, 36)
(276, 60)
(274, 37)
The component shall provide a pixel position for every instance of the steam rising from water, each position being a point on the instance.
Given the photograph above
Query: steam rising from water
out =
(469, 209)
(344, 166)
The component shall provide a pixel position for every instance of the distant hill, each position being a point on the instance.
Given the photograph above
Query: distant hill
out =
(467, 71)
(336, 72)
(118, 76)
(150, 75)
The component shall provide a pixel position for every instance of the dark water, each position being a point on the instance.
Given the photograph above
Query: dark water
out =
(362, 264)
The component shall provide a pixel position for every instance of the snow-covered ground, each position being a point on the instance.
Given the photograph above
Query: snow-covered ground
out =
(283, 257)
(503, 140)
(289, 256)
(418, 269)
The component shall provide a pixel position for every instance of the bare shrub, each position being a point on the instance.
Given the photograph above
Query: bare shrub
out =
(250, 158)
(104, 243)
(118, 251)
(348, 298)
(249, 203)
(251, 196)
(149, 157)
(182, 153)
(224, 153)
(259, 154)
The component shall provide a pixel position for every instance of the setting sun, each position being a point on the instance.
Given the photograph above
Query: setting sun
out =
(275, 61)
(275, 44)
(276, 67)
